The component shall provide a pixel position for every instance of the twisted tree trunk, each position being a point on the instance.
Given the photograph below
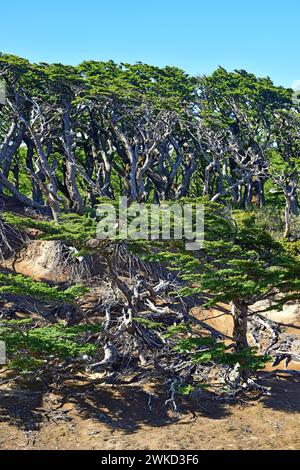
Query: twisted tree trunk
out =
(287, 216)
(239, 311)
(75, 196)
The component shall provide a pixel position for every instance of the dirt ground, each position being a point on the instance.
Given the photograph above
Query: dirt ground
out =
(133, 417)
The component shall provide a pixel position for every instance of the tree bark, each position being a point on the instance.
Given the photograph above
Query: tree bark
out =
(287, 216)
(9, 148)
(37, 195)
(239, 311)
(13, 190)
(76, 199)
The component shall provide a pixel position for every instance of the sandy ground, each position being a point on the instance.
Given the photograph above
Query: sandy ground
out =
(119, 418)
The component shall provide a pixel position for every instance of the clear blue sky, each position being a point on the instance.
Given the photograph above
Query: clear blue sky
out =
(261, 36)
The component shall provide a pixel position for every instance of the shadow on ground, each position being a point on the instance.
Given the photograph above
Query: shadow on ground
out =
(285, 390)
(127, 408)
(118, 407)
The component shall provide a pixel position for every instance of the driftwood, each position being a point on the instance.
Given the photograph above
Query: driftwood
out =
(258, 323)
(110, 357)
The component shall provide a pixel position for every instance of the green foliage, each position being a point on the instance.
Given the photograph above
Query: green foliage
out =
(138, 84)
(19, 284)
(190, 344)
(148, 323)
(208, 350)
(205, 350)
(292, 248)
(72, 228)
(173, 330)
(187, 389)
(244, 268)
(258, 97)
(29, 346)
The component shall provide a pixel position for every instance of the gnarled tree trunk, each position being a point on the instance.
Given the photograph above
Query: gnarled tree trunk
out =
(239, 311)
(75, 196)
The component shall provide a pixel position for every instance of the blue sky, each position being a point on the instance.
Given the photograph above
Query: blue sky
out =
(261, 36)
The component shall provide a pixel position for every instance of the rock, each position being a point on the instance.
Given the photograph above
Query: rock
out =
(288, 315)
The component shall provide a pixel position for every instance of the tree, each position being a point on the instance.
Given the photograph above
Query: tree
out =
(148, 133)
(253, 267)
(283, 167)
(244, 108)
(144, 328)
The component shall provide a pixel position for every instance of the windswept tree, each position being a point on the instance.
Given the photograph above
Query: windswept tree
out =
(284, 162)
(163, 337)
(71, 135)
(243, 107)
(250, 268)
